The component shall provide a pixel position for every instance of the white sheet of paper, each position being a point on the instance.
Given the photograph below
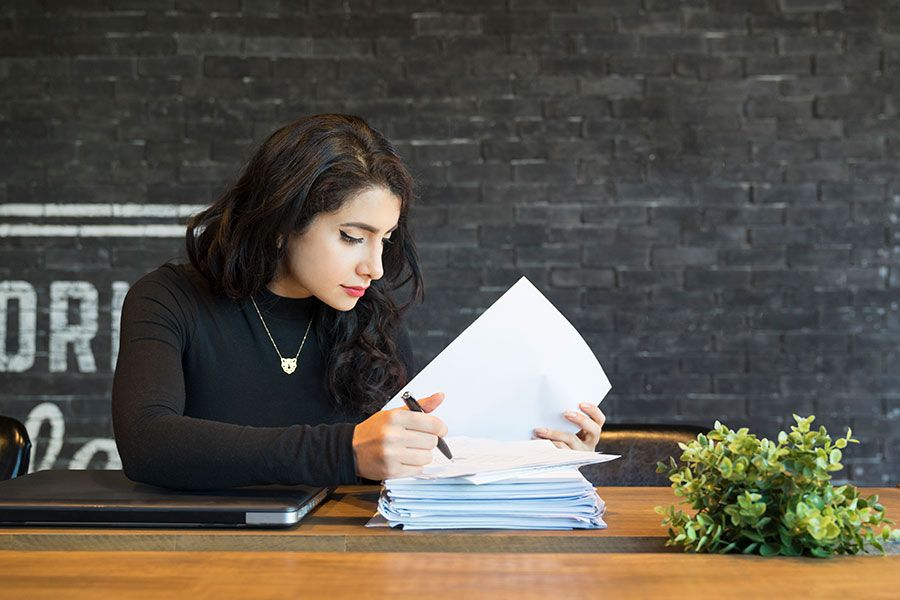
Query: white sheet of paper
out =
(483, 460)
(517, 367)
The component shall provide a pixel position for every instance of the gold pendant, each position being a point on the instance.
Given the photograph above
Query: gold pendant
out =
(288, 365)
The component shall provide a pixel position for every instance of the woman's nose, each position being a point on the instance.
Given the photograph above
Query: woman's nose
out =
(372, 267)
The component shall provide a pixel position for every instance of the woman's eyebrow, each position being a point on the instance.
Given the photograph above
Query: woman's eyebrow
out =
(367, 227)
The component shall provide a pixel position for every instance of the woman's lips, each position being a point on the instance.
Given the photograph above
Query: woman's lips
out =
(356, 292)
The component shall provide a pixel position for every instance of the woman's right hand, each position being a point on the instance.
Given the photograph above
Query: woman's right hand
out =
(398, 442)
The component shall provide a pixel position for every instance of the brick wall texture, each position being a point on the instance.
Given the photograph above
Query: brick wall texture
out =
(707, 189)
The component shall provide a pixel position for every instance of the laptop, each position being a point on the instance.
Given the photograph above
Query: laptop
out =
(109, 499)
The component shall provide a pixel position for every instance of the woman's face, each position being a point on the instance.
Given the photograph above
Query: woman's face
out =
(339, 255)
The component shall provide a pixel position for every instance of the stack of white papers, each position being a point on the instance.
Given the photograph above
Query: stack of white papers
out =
(496, 485)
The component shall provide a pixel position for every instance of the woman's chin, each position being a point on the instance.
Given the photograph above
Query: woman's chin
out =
(342, 304)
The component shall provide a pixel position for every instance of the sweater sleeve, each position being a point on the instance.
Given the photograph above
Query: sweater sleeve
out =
(160, 445)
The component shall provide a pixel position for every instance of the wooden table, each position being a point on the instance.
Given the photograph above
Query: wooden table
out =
(339, 526)
(332, 554)
(460, 576)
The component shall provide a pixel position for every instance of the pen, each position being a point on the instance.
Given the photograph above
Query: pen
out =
(414, 405)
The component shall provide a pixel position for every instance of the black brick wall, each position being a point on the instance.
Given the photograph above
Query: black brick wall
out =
(708, 189)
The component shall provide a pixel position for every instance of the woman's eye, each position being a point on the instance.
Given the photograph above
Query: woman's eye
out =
(350, 239)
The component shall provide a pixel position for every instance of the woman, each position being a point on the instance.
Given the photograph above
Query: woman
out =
(267, 359)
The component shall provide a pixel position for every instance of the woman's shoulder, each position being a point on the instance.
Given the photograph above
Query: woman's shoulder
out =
(174, 276)
(172, 285)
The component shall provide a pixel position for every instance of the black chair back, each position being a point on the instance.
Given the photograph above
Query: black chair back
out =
(15, 448)
(641, 447)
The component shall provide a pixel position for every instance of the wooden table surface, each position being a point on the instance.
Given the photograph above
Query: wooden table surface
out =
(460, 576)
(339, 526)
(331, 554)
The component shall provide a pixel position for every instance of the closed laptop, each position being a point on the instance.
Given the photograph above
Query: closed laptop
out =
(108, 498)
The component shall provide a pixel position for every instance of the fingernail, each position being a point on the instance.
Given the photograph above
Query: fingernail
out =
(569, 414)
(584, 405)
(540, 431)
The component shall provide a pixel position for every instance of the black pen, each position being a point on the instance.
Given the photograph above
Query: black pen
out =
(414, 405)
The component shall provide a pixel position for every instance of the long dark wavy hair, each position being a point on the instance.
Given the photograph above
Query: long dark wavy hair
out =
(309, 167)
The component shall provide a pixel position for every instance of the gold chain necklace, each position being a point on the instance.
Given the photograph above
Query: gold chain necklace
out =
(288, 365)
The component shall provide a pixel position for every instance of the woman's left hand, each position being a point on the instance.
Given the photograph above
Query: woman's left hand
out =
(591, 422)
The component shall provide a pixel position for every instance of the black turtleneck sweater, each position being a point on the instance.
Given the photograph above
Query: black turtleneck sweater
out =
(200, 400)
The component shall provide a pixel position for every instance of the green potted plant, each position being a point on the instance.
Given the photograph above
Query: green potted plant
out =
(754, 495)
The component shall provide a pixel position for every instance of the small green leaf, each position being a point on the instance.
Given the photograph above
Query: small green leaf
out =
(753, 535)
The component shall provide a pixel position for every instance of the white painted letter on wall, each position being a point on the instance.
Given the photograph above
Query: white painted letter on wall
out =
(23, 359)
(63, 333)
(49, 412)
(86, 453)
